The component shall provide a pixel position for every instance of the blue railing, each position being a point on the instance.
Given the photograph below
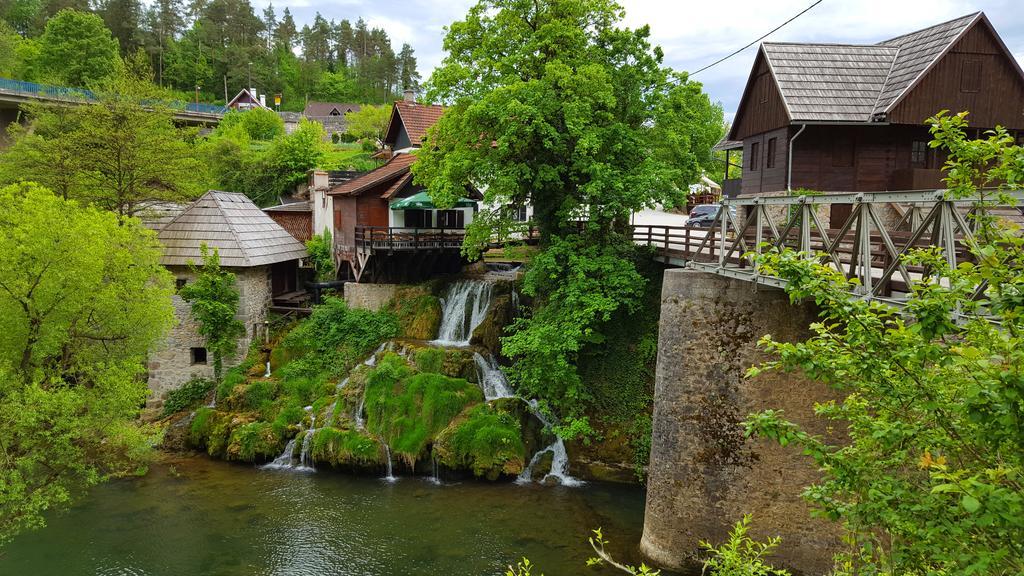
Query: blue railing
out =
(65, 93)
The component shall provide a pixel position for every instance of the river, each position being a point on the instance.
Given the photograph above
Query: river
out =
(195, 516)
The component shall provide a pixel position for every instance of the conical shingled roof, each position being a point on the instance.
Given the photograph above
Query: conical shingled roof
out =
(242, 233)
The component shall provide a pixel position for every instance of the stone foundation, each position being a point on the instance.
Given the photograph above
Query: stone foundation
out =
(704, 474)
(369, 296)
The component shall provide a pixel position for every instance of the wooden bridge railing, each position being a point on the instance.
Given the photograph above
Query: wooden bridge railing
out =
(870, 244)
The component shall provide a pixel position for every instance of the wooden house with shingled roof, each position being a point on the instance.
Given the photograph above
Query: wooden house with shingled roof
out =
(850, 117)
(263, 256)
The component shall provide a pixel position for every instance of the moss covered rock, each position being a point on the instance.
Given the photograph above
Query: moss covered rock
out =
(253, 442)
(407, 409)
(488, 334)
(486, 439)
(418, 312)
(345, 448)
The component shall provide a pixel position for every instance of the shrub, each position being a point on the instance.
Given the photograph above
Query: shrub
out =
(253, 442)
(333, 339)
(319, 248)
(190, 395)
(741, 556)
(257, 394)
(418, 315)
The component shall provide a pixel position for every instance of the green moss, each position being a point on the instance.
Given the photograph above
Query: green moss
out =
(344, 448)
(430, 360)
(258, 394)
(289, 414)
(189, 396)
(419, 315)
(408, 410)
(210, 429)
(231, 379)
(253, 442)
(486, 440)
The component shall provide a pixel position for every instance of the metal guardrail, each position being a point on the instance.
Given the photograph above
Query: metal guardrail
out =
(870, 244)
(66, 94)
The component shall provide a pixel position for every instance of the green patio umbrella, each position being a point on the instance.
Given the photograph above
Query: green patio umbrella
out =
(421, 201)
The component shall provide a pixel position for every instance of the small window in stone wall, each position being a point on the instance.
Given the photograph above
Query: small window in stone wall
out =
(198, 355)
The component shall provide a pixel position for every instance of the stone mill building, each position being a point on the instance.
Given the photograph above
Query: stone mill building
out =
(263, 256)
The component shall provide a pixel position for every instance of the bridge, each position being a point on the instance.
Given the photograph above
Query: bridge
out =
(704, 473)
(869, 244)
(14, 93)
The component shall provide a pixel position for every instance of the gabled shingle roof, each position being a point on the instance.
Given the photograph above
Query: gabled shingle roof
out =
(415, 117)
(829, 82)
(917, 52)
(397, 167)
(853, 82)
(242, 233)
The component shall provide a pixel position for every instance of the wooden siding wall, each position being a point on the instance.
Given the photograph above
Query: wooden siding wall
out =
(371, 210)
(1000, 100)
(880, 153)
(762, 108)
(345, 220)
(298, 224)
(766, 179)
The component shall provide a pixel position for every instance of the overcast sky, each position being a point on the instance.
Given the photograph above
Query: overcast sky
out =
(695, 33)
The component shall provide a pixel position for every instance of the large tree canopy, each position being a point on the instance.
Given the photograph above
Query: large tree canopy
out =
(553, 104)
(82, 298)
(77, 49)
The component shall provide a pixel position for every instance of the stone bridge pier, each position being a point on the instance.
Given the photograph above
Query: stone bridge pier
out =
(704, 474)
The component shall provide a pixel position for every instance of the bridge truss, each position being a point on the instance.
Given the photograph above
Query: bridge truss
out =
(870, 244)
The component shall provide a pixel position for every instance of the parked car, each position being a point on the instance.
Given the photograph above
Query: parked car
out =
(703, 215)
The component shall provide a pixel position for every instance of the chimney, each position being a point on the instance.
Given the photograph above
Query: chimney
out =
(409, 95)
(263, 100)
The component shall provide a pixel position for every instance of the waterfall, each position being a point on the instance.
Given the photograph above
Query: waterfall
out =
(286, 461)
(360, 423)
(372, 360)
(492, 379)
(435, 478)
(464, 307)
(559, 460)
(387, 450)
(267, 373)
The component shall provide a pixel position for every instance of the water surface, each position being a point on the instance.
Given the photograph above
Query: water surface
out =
(194, 517)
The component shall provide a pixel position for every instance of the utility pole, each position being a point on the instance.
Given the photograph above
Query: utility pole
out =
(197, 94)
(249, 65)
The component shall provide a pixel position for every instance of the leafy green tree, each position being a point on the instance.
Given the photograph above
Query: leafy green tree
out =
(214, 301)
(553, 104)
(115, 153)
(369, 122)
(294, 155)
(319, 248)
(83, 297)
(77, 49)
(258, 123)
(929, 480)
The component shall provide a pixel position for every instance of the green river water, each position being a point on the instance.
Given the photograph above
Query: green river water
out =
(196, 516)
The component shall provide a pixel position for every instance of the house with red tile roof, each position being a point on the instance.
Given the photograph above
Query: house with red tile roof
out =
(385, 226)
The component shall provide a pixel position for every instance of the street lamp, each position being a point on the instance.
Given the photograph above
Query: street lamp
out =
(197, 94)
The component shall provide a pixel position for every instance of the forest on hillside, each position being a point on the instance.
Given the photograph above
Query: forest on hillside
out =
(219, 46)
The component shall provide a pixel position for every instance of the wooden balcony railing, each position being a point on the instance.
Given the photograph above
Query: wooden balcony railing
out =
(370, 238)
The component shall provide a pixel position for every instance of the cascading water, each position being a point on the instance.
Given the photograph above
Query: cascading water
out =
(559, 457)
(387, 450)
(464, 307)
(266, 374)
(286, 461)
(492, 379)
(360, 423)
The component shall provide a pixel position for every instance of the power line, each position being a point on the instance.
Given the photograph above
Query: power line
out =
(772, 31)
